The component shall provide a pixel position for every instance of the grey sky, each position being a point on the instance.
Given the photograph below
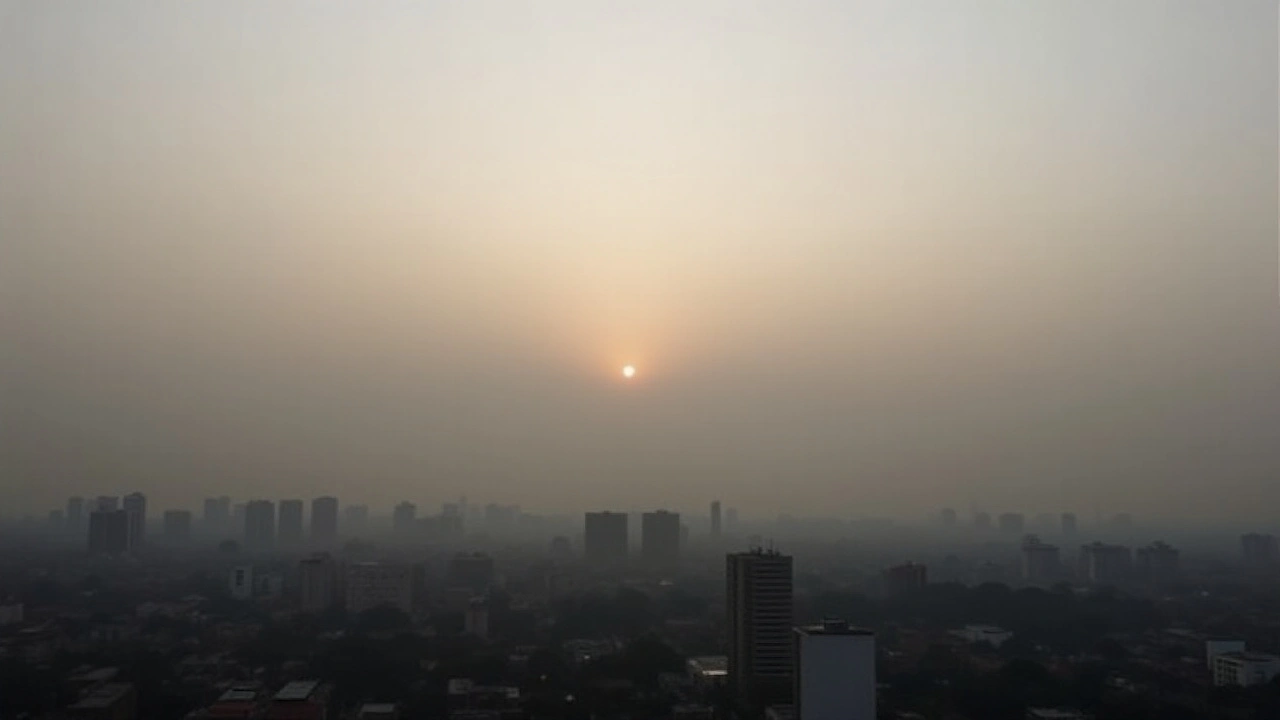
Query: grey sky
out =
(868, 257)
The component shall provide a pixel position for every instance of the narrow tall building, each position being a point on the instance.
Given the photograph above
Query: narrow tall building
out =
(715, 519)
(759, 610)
(136, 505)
(1040, 561)
(75, 514)
(605, 538)
(324, 520)
(259, 525)
(289, 530)
(835, 677)
(660, 538)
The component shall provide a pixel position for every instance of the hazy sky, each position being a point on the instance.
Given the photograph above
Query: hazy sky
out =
(868, 258)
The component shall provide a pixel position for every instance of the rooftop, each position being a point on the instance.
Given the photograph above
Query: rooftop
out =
(104, 696)
(297, 690)
(833, 627)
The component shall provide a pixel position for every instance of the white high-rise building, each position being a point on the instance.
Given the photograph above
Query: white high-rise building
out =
(835, 673)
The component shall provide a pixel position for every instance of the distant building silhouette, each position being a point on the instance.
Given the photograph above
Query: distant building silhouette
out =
(605, 538)
(404, 520)
(136, 505)
(108, 532)
(324, 521)
(1068, 523)
(75, 514)
(1258, 549)
(1157, 562)
(660, 533)
(320, 580)
(473, 571)
(904, 579)
(1103, 564)
(1041, 562)
(715, 519)
(759, 609)
(260, 525)
(947, 517)
(1012, 523)
(289, 530)
(177, 527)
(982, 521)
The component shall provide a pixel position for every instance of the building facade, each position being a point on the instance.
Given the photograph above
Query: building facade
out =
(759, 608)
(835, 672)
(660, 538)
(605, 538)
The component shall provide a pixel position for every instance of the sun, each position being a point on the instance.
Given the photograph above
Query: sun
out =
(628, 371)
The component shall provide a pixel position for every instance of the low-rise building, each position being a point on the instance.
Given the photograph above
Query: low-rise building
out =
(983, 635)
(108, 701)
(1244, 668)
(300, 700)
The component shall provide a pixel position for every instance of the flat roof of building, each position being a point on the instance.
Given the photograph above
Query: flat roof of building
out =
(297, 690)
(103, 696)
(833, 627)
(239, 693)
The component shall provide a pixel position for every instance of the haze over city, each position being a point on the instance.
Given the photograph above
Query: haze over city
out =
(865, 258)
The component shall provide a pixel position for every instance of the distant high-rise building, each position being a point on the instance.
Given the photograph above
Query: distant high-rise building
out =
(660, 538)
(320, 579)
(289, 529)
(217, 513)
(260, 525)
(1012, 523)
(108, 532)
(982, 521)
(561, 548)
(1258, 549)
(1040, 561)
(136, 505)
(948, 517)
(356, 519)
(1068, 523)
(75, 514)
(324, 520)
(371, 585)
(404, 520)
(905, 579)
(715, 519)
(1106, 564)
(177, 526)
(605, 538)
(107, 503)
(759, 609)
(731, 520)
(471, 570)
(1157, 562)
(238, 511)
(835, 675)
